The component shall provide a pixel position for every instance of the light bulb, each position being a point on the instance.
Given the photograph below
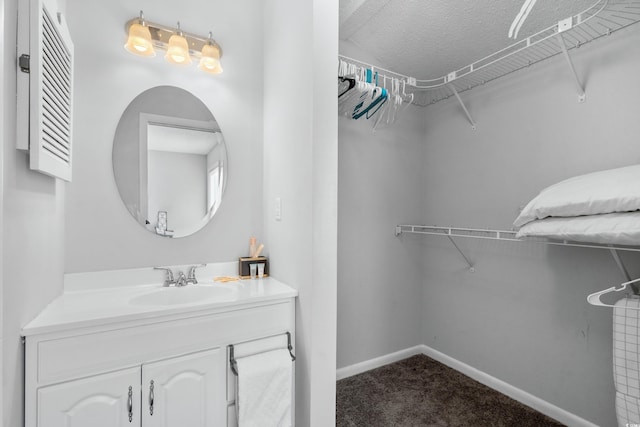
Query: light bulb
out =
(178, 50)
(210, 59)
(139, 40)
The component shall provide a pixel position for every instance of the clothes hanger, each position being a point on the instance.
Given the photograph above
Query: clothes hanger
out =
(368, 98)
(350, 84)
(345, 98)
(378, 98)
(397, 104)
(344, 77)
(387, 106)
(408, 99)
(360, 95)
(389, 110)
(345, 69)
(381, 101)
(353, 99)
(594, 299)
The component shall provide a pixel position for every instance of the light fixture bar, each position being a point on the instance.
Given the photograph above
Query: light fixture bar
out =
(160, 35)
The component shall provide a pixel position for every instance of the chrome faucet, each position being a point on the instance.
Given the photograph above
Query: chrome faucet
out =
(168, 278)
(182, 280)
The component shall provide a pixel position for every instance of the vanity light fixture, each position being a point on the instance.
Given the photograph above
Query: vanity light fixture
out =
(181, 47)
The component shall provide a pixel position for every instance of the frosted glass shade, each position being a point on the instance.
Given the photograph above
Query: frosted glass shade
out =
(210, 59)
(178, 51)
(139, 41)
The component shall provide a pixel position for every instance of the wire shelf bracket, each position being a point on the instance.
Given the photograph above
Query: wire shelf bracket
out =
(566, 25)
(510, 236)
(466, 112)
(472, 268)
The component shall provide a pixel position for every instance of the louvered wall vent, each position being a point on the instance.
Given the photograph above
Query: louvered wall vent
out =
(45, 88)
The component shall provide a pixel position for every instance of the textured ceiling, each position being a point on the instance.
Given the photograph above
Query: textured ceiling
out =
(429, 38)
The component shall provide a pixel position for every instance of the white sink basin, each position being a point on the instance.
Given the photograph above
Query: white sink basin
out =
(190, 294)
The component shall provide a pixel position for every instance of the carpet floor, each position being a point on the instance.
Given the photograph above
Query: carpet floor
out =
(419, 391)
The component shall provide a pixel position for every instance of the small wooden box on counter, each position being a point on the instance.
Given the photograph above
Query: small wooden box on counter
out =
(243, 266)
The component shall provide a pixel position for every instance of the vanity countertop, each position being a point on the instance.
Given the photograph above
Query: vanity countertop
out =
(110, 306)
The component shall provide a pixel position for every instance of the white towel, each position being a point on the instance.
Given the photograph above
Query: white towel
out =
(626, 347)
(264, 389)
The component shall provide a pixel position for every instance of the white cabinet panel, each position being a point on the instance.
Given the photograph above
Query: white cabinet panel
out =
(186, 391)
(108, 400)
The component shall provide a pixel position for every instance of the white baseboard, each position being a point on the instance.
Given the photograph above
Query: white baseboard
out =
(515, 393)
(367, 365)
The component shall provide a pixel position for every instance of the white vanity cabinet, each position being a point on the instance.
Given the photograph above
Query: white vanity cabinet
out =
(181, 391)
(107, 400)
(148, 368)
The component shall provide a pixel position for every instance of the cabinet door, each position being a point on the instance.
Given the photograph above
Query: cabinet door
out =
(185, 391)
(108, 400)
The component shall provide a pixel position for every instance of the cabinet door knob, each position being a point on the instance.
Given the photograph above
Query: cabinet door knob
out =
(151, 398)
(130, 403)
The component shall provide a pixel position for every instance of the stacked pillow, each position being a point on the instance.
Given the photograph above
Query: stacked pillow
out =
(600, 207)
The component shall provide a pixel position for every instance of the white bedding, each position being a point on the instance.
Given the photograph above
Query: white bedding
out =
(614, 190)
(622, 228)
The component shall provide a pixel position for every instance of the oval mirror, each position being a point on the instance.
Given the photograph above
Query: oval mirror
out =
(169, 161)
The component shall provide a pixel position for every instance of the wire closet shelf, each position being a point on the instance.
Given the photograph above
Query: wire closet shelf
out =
(503, 235)
(601, 19)
(510, 236)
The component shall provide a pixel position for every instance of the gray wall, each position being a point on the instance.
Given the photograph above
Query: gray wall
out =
(379, 276)
(522, 316)
(300, 167)
(100, 232)
(32, 234)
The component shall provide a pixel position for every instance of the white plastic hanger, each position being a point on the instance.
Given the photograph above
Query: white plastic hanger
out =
(355, 96)
(520, 18)
(388, 106)
(394, 108)
(594, 299)
(408, 99)
(372, 101)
